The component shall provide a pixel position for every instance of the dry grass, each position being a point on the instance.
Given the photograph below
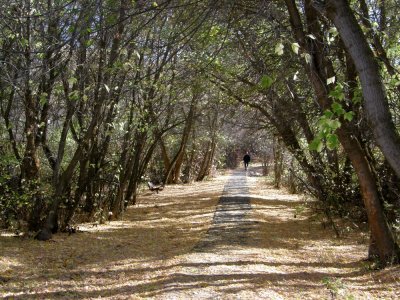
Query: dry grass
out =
(150, 254)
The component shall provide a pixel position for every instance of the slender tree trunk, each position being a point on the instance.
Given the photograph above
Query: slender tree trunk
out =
(164, 155)
(292, 178)
(176, 163)
(62, 182)
(30, 162)
(190, 162)
(6, 116)
(209, 164)
(129, 176)
(278, 161)
(381, 233)
(204, 164)
(79, 192)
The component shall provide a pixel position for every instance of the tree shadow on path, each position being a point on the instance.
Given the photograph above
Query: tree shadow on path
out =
(230, 225)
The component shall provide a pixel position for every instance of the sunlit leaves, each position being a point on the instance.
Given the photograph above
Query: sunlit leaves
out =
(327, 127)
(307, 57)
(279, 48)
(331, 139)
(295, 48)
(137, 54)
(74, 95)
(328, 123)
(331, 35)
(295, 76)
(348, 116)
(89, 43)
(311, 36)
(331, 80)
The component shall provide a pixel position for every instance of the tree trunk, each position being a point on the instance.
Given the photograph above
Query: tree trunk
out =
(30, 163)
(187, 172)
(278, 161)
(382, 236)
(292, 179)
(73, 203)
(204, 164)
(6, 116)
(375, 102)
(176, 163)
(388, 249)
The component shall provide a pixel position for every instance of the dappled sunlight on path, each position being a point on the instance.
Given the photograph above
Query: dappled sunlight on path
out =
(233, 237)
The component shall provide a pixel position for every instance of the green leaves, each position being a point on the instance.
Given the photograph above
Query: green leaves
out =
(328, 124)
(338, 92)
(266, 82)
(74, 95)
(337, 108)
(357, 97)
(316, 145)
(332, 141)
(43, 98)
(348, 116)
(72, 81)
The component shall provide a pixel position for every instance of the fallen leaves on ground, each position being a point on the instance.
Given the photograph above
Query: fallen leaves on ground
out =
(150, 253)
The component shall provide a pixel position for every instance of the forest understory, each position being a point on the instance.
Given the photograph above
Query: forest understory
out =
(230, 237)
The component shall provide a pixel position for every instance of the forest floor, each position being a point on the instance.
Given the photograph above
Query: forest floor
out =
(232, 237)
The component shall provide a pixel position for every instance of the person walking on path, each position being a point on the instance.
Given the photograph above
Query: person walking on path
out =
(246, 160)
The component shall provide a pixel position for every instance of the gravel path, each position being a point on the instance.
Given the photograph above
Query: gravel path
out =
(230, 226)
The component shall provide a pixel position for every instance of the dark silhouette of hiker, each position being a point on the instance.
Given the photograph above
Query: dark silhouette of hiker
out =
(246, 160)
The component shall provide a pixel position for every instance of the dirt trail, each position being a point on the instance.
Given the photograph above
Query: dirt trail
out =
(233, 237)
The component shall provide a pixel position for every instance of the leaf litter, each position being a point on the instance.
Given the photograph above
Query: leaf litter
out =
(183, 244)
